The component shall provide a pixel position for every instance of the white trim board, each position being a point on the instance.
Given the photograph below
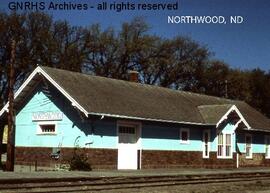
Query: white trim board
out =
(39, 70)
(242, 119)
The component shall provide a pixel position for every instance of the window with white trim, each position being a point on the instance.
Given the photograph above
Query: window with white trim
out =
(127, 134)
(46, 128)
(248, 146)
(184, 135)
(220, 144)
(228, 145)
(206, 143)
(224, 145)
(267, 147)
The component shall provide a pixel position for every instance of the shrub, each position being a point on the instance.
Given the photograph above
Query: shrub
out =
(79, 162)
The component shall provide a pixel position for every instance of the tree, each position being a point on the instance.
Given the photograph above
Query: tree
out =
(179, 62)
(259, 83)
(215, 77)
(40, 41)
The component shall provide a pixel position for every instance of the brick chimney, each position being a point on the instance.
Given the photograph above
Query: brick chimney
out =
(133, 76)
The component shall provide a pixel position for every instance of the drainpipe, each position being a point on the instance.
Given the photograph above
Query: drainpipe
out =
(237, 160)
(237, 151)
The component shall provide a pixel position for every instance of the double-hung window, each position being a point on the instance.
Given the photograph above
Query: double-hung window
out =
(248, 146)
(224, 145)
(220, 145)
(228, 145)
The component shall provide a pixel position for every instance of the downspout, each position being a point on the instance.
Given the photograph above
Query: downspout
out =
(237, 160)
(236, 149)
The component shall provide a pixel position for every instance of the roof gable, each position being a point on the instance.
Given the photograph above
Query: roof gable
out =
(213, 113)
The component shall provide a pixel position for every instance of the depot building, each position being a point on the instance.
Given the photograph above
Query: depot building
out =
(127, 125)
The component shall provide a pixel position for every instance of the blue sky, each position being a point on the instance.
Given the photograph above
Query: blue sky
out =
(244, 46)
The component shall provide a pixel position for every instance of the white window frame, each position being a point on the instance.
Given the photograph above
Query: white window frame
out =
(188, 135)
(39, 130)
(208, 143)
(138, 129)
(251, 153)
(267, 146)
(223, 153)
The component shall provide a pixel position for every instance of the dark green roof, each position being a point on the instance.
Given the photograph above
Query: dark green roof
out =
(212, 113)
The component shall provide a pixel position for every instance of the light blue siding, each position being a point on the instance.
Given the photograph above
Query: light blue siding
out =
(228, 128)
(98, 133)
(102, 134)
(258, 143)
(155, 137)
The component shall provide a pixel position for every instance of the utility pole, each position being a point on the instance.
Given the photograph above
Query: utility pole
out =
(226, 89)
(11, 112)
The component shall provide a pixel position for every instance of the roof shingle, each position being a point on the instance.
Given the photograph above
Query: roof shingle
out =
(117, 97)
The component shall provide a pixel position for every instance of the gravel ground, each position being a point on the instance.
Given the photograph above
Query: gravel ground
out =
(114, 173)
(248, 187)
(256, 186)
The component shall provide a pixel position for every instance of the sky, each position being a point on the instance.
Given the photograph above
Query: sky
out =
(244, 46)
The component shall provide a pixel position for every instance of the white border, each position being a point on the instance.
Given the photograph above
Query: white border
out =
(209, 143)
(39, 131)
(39, 70)
(233, 108)
(147, 119)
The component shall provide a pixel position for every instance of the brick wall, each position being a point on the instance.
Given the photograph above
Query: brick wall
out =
(175, 159)
(98, 158)
(107, 158)
(257, 160)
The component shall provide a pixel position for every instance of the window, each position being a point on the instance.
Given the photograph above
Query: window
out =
(228, 147)
(127, 134)
(267, 147)
(184, 135)
(248, 146)
(220, 144)
(206, 143)
(224, 145)
(46, 128)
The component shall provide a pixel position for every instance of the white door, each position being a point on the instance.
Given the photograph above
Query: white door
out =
(127, 147)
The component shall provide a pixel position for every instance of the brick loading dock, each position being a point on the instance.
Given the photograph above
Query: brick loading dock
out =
(115, 180)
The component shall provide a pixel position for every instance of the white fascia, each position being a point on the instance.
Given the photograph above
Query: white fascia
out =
(4, 109)
(72, 100)
(242, 119)
(147, 119)
(39, 70)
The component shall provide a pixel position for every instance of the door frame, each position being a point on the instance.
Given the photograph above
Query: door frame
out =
(209, 143)
(138, 126)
